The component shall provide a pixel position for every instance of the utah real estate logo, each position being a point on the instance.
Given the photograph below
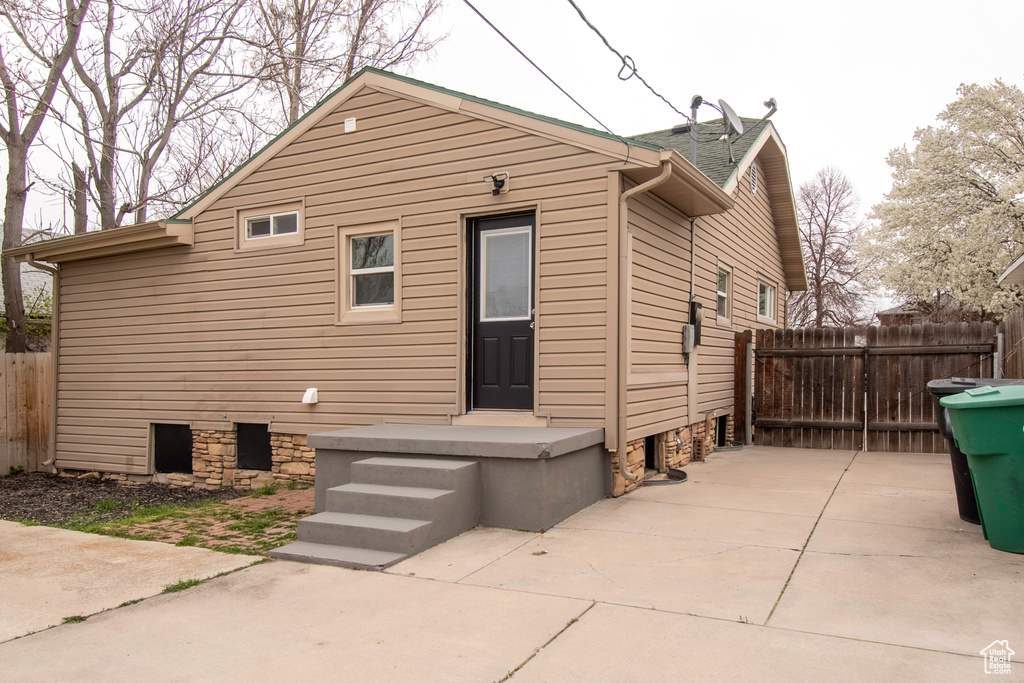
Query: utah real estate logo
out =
(997, 657)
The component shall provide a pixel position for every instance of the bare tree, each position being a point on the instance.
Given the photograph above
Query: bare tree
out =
(33, 55)
(829, 226)
(141, 73)
(305, 48)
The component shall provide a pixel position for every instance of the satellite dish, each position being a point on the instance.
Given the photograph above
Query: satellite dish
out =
(731, 117)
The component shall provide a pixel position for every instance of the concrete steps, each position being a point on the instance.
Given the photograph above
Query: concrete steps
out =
(393, 508)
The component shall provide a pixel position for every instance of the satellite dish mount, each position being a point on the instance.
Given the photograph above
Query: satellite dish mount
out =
(731, 123)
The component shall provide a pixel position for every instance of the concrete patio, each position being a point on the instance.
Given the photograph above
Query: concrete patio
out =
(769, 564)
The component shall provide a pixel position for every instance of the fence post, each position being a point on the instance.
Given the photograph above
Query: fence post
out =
(748, 417)
(866, 382)
(997, 365)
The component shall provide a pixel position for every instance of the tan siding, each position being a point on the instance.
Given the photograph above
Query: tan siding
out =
(659, 307)
(745, 239)
(205, 334)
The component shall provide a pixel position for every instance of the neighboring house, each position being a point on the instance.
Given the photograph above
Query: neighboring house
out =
(943, 309)
(426, 257)
(900, 315)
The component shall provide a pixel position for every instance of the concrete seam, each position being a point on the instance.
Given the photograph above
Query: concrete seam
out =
(479, 569)
(809, 537)
(536, 652)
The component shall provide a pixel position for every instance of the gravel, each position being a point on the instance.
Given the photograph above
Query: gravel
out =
(53, 500)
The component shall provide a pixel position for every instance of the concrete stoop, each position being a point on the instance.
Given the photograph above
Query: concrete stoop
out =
(392, 508)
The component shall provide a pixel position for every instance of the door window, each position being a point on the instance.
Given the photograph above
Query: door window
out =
(505, 274)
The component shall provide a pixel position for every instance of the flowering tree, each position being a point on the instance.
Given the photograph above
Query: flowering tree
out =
(954, 218)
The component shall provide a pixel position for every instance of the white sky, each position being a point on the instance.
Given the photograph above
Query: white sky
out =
(852, 80)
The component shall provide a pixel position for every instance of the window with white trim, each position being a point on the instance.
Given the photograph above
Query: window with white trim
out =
(372, 270)
(724, 287)
(370, 273)
(270, 226)
(765, 300)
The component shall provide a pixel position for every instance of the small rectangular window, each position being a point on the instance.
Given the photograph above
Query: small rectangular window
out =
(269, 226)
(373, 270)
(723, 294)
(765, 300)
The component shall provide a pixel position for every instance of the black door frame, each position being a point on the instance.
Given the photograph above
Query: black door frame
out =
(470, 302)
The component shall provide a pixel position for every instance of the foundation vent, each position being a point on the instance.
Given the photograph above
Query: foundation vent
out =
(697, 449)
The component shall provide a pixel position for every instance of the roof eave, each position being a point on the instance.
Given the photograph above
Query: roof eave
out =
(772, 151)
(113, 242)
(687, 189)
(1014, 273)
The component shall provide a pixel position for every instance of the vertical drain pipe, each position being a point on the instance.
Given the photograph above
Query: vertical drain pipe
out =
(624, 329)
(54, 350)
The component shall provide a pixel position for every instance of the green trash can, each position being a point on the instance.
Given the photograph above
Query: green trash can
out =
(988, 426)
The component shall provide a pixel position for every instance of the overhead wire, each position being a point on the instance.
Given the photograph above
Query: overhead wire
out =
(628, 64)
(543, 73)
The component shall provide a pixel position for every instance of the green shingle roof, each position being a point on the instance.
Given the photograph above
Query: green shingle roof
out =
(712, 152)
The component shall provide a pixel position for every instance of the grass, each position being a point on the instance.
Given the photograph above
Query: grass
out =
(73, 620)
(182, 585)
(106, 505)
(268, 490)
(214, 525)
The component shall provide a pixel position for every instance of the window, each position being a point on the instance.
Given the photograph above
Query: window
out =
(724, 277)
(765, 300)
(369, 273)
(372, 270)
(753, 178)
(270, 227)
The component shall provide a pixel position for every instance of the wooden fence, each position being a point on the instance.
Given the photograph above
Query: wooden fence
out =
(1012, 328)
(25, 410)
(832, 388)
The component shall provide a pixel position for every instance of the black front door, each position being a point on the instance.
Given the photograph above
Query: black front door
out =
(501, 334)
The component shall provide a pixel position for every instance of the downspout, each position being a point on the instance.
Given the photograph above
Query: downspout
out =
(624, 330)
(54, 349)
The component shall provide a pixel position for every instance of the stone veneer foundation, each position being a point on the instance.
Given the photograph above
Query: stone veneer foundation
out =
(669, 454)
(215, 464)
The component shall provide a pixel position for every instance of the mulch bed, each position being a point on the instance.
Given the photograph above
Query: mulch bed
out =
(52, 500)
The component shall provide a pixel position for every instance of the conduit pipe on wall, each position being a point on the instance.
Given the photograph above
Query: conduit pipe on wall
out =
(54, 347)
(624, 322)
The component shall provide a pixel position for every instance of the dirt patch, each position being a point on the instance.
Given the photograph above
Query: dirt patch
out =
(58, 501)
(252, 523)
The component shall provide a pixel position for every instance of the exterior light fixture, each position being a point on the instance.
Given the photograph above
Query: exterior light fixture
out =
(499, 182)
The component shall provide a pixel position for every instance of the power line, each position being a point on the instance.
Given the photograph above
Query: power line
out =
(534, 64)
(628, 65)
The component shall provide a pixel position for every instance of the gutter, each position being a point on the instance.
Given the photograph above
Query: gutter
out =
(54, 351)
(623, 311)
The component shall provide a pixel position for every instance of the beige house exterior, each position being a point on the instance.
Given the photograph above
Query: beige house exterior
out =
(227, 313)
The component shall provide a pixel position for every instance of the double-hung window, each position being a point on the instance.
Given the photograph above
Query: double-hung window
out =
(370, 273)
(372, 270)
(765, 300)
(724, 288)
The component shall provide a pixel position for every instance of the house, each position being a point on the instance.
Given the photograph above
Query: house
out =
(413, 271)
